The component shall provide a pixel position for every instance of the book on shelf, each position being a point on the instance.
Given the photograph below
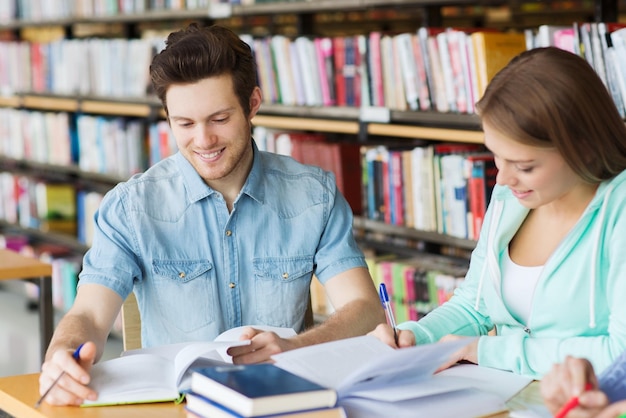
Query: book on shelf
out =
(491, 52)
(254, 390)
(481, 174)
(363, 369)
(162, 373)
(56, 207)
(199, 406)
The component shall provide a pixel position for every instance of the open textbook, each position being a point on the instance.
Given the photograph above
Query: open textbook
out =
(162, 373)
(370, 376)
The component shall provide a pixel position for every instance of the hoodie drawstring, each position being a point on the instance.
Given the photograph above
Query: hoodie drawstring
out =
(594, 258)
(497, 211)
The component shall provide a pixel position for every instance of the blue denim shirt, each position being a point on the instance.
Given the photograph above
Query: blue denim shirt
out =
(198, 270)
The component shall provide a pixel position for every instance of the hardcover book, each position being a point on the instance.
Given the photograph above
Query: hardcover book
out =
(260, 389)
(162, 373)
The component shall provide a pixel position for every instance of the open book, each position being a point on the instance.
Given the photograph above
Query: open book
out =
(367, 374)
(159, 374)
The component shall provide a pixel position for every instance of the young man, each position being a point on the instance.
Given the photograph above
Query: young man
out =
(217, 236)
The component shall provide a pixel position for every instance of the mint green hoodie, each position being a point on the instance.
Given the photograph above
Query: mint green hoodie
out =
(579, 302)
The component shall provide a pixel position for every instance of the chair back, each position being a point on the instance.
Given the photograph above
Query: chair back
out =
(131, 323)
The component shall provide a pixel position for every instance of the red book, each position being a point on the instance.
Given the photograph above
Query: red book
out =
(343, 159)
(481, 171)
(339, 59)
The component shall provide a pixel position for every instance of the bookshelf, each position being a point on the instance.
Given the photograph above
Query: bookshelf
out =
(318, 18)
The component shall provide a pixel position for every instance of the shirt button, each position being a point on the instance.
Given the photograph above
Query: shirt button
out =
(285, 275)
(229, 233)
(231, 285)
(181, 274)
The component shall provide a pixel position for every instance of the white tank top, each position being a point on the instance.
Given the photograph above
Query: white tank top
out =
(518, 285)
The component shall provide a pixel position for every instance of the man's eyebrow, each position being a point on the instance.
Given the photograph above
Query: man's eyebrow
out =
(219, 112)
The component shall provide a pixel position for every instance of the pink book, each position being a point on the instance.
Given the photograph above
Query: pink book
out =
(564, 39)
(324, 54)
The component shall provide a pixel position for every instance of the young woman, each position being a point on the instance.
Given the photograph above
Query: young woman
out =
(547, 271)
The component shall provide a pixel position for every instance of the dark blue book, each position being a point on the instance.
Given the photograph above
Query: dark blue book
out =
(260, 389)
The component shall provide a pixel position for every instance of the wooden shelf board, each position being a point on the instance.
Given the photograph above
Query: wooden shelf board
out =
(421, 132)
(319, 125)
(59, 104)
(361, 222)
(115, 108)
(9, 101)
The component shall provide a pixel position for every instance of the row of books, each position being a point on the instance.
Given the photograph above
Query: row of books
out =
(602, 44)
(49, 207)
(442, 69)
(78, 66)
(418, 284)
(442, 188)
(37, 10)
(432, 69)
(109, 145)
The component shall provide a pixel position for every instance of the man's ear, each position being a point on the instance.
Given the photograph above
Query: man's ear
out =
(256, 99)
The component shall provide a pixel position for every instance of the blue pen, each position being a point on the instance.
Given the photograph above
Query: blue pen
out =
(76, 356)
(384, 299)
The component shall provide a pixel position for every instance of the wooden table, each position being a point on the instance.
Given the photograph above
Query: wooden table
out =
(16, 266)
(18, 395)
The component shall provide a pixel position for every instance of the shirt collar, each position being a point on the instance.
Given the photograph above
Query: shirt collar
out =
(255, 183)
(197, 189)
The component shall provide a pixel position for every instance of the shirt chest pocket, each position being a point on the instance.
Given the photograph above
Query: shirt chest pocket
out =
(186, 292)
(282, 289)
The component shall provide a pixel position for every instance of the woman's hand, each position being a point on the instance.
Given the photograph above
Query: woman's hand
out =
(467, 353)
(385, 333)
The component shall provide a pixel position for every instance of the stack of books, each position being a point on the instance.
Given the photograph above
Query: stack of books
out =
(258, 390)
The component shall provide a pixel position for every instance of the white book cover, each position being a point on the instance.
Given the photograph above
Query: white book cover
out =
(280, 52)
(446, 70)
(618, 38)
(309, 70)
(454, 195)
(297, 74)
(438, 78)
(410, 77)
(386, 57)
(363, 70)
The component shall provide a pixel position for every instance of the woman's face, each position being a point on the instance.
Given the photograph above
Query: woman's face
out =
(536, 176)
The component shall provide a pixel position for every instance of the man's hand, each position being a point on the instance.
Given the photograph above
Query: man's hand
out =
(384, 333)
(568, 379)
(71, 389)
(263, 345)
